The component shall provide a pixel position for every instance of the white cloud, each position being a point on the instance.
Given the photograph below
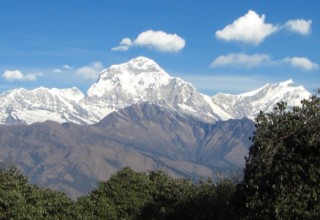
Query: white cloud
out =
(97, 65)
(158, 40)
(124, 45)
(299, 26)
(57, 71)
(90, 72)
(12, 75)
(66, 66)
(302, 63)
(241, 60)
(250, 28)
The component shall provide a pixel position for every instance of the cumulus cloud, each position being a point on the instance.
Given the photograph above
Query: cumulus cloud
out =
(250, 28)
(302, 63)
(12, 75)
(90, 72)
(299, 26)
(157, 40)
(241, 60)
(160, 40)
(124, 45)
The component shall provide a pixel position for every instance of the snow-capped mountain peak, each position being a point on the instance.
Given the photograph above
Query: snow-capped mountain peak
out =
(249, 104)
(138, 65)
(40, 104)
(139, 80)
(138, 74)
(143, 80)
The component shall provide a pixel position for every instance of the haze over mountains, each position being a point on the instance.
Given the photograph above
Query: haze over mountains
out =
(135, 115)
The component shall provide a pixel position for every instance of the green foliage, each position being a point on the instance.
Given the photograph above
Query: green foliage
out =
(155, 195)
(121, 197)
(282, 174)
(21, 200)
(101, 208)
(55, 205)
(126, 195)
(168, 196)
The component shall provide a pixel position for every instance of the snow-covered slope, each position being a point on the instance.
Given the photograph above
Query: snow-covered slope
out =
(41, 104)
(142, 80)
(139, 80)
(249, 104)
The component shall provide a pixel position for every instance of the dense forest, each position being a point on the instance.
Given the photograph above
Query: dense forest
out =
(281, 180)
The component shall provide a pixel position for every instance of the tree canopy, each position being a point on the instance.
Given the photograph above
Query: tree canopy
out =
(282, 173)
(154, 195)
(21, 200)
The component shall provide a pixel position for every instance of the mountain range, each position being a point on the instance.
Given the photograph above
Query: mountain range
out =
(137, 81)
(135, 115)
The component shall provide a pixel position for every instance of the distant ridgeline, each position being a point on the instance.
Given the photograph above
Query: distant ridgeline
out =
(135, 115)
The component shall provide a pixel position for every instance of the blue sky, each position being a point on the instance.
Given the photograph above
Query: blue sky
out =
(218, 45)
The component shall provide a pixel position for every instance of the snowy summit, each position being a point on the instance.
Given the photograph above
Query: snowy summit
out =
(139, 80)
